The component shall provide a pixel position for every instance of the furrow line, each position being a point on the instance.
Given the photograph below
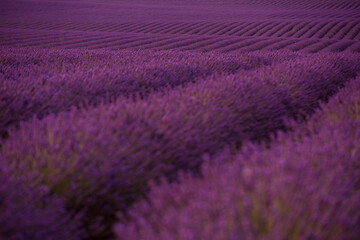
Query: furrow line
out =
(101, 27)
(314, 30)
(174, 28)
(273, 31)
(339, 46)
(161, 28)
(181, 43)
(348, 5)
(280, 44)
(199, 27)
(116, 42)
(40, 39)
(247, 29)
(210, 29)
(356, 6)
(344, 31)
(127, 27)
(191, 28)
(157, 28)
(305, 29)
(159, 43)
(259, 30)
(85, 43)
(67, 27)
(20, 37)
(285, 29)
(355, 47)
(56, 42)
(218, 45)
(335, 30)
(316, 47)
(259, 45)
(108, 27)
(219, 29)
(357, 34)
(294, 30)
(139, 27)
(146, 27)
(228, 28)
(180, 28)
(90, 27)
(200, 44)
(162, 42)
(117, 27)
(331, 5)
(236, 29)
(239, 44)
(301, 44)
(137, 44)
(321, 33)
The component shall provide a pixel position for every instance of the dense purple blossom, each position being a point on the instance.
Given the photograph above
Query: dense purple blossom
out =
(100, 159)
(305, 186)
(179, 119)
(29, 212)
(35, 82)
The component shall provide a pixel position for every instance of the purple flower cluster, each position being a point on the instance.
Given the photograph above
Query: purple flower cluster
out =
(86, 163)
(30, 212)
(35, 82)
(305, 186)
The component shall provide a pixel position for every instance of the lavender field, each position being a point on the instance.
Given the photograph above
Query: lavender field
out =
(179, 119)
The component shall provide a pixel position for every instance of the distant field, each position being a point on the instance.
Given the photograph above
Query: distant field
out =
(307, 26)
(179, 119)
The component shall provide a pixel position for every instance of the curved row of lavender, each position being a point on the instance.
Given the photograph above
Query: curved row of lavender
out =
(304, 36)
(306, 186)
(79, 167)
(197, 25)
(300, 4)
(37, 82)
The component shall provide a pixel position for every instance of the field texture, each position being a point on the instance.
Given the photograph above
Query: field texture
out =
(223, 26)
(179, 119)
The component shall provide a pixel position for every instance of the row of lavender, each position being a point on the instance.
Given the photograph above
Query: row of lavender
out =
(37, 82)
(65, 175)
(342, 29)
(305, 186)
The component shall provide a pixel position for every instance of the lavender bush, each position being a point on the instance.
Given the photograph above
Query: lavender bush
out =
(99, 160)
(209, 106)
(305, 186)
(35, 82)
(29, 212)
